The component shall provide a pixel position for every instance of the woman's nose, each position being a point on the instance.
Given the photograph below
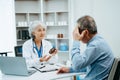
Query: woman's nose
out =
(42, 32)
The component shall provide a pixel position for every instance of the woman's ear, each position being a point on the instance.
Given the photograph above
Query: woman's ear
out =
(32, 35)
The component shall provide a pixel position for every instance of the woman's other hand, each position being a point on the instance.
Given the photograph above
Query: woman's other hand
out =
(45, 58)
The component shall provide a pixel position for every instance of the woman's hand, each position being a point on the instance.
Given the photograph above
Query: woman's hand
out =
(45, 58)
(63, 70)
(52, 52)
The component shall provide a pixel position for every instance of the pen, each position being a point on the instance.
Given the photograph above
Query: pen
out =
(49, 70)
(36, 69)
(41, 67)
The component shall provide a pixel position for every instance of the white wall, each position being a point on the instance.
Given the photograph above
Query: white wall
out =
(81, 8)
(7, 26)
(106, 14)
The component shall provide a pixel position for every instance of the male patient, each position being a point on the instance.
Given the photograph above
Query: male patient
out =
(97, 56)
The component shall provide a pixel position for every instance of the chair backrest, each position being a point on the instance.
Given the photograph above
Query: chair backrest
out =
(115, 70)
(18, 51)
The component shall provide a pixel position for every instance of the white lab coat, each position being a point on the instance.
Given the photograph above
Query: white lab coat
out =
(31, 55)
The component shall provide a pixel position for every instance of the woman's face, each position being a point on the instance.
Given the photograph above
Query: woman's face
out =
(39, 32)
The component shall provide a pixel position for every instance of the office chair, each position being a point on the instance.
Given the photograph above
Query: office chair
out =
(18, 51)
(115, 70)
(3, 53)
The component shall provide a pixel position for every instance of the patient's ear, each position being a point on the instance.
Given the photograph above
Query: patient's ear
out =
(86, 32)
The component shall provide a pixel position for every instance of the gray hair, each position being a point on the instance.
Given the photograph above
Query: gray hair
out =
(33, 25)
(87, 22)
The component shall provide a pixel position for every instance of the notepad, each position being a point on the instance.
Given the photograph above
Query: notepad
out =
(49, 68)
(46, 68)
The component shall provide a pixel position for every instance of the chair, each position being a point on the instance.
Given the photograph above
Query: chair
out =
(18, 51)
(115, 70)
(3, 53)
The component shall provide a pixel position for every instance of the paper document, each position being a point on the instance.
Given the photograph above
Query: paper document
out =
(46, 68)
(49, 67)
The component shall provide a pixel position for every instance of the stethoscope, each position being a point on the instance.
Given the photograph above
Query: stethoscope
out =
(34, 48)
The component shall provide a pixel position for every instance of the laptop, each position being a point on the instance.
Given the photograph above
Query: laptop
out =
(14, 66)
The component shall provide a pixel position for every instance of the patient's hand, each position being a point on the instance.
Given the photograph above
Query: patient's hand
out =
(63, 70)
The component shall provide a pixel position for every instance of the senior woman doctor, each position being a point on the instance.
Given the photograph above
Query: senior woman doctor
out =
(36, 50)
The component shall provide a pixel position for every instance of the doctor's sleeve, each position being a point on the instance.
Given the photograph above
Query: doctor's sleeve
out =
(27, 53)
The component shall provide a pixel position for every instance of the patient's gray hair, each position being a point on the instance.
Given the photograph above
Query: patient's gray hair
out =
(33, 25)
(87, 22)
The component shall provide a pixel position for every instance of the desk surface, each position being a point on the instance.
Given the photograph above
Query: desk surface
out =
(39, 76)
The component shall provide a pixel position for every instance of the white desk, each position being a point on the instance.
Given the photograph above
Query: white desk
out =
(39, 76)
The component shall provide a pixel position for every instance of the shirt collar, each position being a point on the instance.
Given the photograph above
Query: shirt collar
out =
(94, 37)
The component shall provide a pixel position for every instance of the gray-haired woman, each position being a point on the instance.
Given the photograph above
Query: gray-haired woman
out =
(36, 50)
